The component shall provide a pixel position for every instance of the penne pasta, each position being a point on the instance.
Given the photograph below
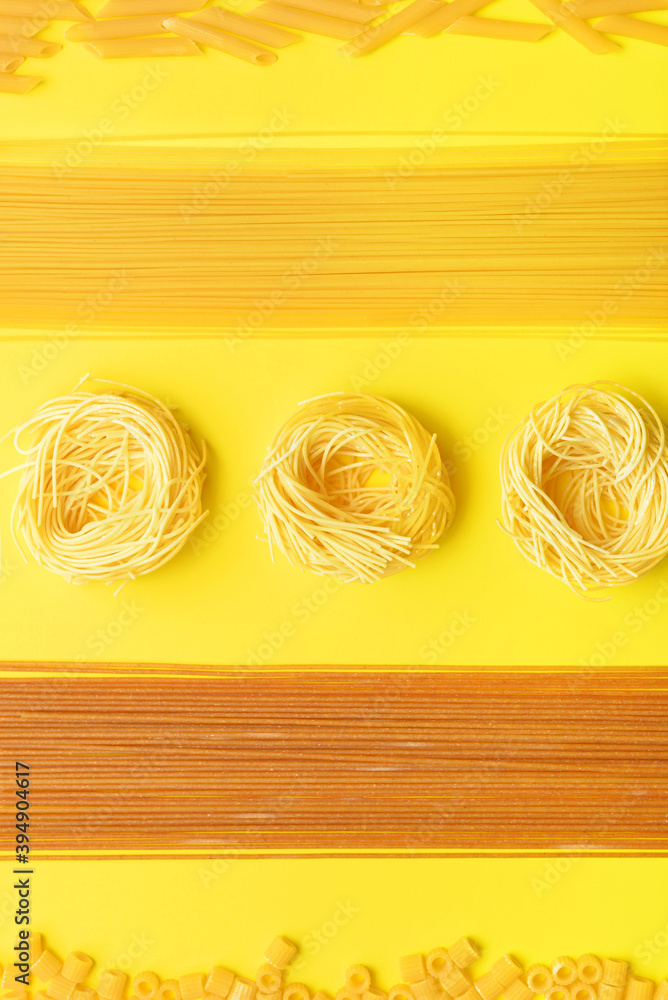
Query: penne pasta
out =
(445, 15)
(239, 24)
(379, 34)
(574, 26)
(632, 27)
(487, 27)
(602, 8)
(141, 8)
(35, 47)
(348, 10)
(135, 48)
(9, 64)
(45, 10)
(26, 27)
(221, 40)
(12, 84)
(305, 20)
(120, 27)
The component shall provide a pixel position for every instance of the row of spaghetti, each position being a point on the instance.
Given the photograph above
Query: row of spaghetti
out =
(441, 974)
(254, 239)
(154, 28)
(353, 487)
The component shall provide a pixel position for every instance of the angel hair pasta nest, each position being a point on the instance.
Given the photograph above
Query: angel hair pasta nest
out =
(585, 486)
(354, 487)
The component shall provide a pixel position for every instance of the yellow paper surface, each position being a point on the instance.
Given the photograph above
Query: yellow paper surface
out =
(476, 601)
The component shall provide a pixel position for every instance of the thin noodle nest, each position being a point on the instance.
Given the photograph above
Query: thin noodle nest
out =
(585, 486)
(111, 487)
(354, 487)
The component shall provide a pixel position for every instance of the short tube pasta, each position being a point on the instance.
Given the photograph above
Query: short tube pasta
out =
(634, 27)
(221, 40)
(376, 35)
(354, 487)
(246, 27)
(140, 48)
(119, 27)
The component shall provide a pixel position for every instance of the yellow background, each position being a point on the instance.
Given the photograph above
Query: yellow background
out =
(225, 600)
(197, 913)
(554, 86)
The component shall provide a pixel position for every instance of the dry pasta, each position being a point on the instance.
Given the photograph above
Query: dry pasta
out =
(633, 27)
(376, 35)
(601, 8)
(574, 26)
(76, 966)
(305, 20)
(26, 27)
(353, 486)
(585, 488)
(34, 47)
(134, 48)
(246, 27)
(488, 27)
(12, 84)
(55, 10)
(445, 15)
(347, 10)
(404, 240)
(241, 48)
(111, 485)
(142, 8)
(9, 64)
(120, 27)
(564, 970)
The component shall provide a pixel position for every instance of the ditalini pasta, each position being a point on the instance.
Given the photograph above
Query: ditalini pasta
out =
(634, 27)
(121, 27)
(224, 41)
(384, 31)
(111, 485)
(332, 239)
(133, 48)
(353, 487)
(306, 20)
(246, 27)
(488, 27)
(585, 488)
(359, 982)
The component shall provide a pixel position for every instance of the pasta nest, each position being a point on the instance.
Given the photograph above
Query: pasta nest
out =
(353, 486)
(111, 487)
(584, 482)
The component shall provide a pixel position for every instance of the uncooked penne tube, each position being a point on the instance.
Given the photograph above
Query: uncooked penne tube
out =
(239, 24)
(221, 40)
(632, 27)
(133, 48)
(306, 20)
(45, 10)
(139, 8)
(120, 27)
(602, 8)
(26, 27)
(445, 15)
(488, 27)
(12, 84)
(35, 47)
(379, 34)
(576, 27)
(348, 10)
(9, 64)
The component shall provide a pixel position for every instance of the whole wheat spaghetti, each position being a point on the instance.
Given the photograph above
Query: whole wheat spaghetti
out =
(585, 486)
(354, 487)
(111, 485)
